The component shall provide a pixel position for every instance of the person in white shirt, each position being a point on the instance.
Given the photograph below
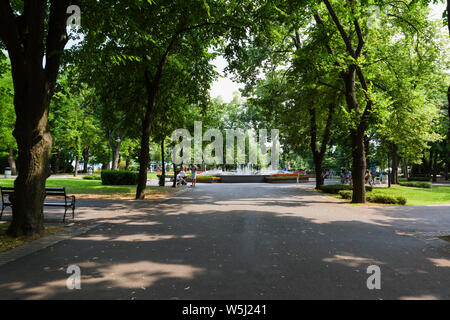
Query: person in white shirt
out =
(181, 177)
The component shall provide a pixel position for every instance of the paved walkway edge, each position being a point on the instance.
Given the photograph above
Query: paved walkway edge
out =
(42, 243)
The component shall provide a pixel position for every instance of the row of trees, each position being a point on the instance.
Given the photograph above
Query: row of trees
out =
(332, 75)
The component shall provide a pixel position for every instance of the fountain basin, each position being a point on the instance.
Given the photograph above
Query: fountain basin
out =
(242, 178)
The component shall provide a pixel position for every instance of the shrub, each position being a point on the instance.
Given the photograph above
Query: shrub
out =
(335, 188)
(417, 184)
(346, 194)
(92, 177)
(376, 197)
(419, 178)
(384, 198)
(119, 177)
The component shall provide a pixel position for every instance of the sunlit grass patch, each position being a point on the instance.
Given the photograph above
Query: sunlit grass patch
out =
(93, 189)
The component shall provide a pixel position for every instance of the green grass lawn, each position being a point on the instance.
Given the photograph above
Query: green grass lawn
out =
(419, 196)
(87, 189)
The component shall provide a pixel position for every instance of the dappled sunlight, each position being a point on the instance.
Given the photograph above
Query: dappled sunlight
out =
(352, 261)
(132, 237)
(440, 262)
(422, 297)
(136, 275)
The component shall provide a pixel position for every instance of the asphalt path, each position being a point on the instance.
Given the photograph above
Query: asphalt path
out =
(242, 241)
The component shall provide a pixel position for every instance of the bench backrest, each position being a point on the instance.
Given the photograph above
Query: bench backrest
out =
(55, 191)
(7, 190)
(48, 191)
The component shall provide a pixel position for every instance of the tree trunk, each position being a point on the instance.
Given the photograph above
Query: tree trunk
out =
(175, 175)
(28, 39)
(34, 142)
(357, 138)
(319, 154)
(85, 160)
(430, 163)
(435, 166)
(394, 164)
(116, 155)
(405, 169)
(358, 166)
(12, 162)
(163, 164)
(77, 163)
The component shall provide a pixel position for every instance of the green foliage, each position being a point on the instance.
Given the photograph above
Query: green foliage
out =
(416, 184)
(119, 177)
(7, 113)
(376, 198)
(336, 188)
(92, 177)
(419, 178)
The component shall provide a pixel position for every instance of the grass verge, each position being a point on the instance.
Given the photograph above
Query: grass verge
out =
(93, 189)
(437, 195)
(8, 243)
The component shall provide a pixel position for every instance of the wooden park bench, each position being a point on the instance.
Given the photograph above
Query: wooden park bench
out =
(69, 201)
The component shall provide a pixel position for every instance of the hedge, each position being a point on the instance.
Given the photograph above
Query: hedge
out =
(119, 177)
(92, 177)
(335, 188)
(419, 178)
(376, 197)
(417, 184)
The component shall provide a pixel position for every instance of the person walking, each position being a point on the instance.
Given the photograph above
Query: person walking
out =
(193, 174)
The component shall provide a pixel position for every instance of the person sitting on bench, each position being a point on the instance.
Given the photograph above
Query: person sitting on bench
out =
(181, 177)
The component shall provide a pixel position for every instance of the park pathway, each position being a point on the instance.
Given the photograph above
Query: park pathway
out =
(242, 241)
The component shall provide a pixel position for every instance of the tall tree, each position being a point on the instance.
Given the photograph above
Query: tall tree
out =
(32, 30)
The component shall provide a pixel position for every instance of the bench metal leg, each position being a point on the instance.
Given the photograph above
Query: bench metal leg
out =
(3, 208)
(65, 211)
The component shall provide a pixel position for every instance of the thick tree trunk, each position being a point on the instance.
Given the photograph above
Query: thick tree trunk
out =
(29, 38)
(394, 164)
(358, 166)
(12, 162)
(357, 138)
(34, 143)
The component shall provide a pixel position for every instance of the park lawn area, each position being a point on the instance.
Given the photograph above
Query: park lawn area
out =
(152, 175)
(93, 189)
(437, 195)
(7, 243)
(418, 196)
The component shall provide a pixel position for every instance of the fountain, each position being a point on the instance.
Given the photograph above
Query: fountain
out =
(242, 174)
